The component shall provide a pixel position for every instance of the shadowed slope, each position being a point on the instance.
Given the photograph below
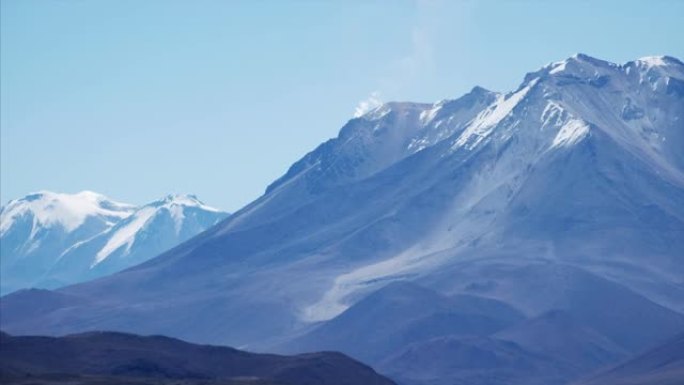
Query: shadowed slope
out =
(125, 355)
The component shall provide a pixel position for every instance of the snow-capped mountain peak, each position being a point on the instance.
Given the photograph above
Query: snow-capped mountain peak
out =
(49, 238)
(658, 61)
(663, 73)
(188, 200)
(578, 67)
(68, 211)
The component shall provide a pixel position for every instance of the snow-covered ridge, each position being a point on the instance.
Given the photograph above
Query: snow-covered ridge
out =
(66, 210)
(586, 67)
(432, 120)
(189, 200)
(658, 61)
(579, 64)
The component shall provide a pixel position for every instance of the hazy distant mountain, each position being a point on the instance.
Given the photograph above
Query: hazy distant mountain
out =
(50, 239)
(115, 358)
(36, 229)
(663, 365)
(564, 197)
(417, 336)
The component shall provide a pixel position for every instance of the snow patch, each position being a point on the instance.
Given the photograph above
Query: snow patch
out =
(558, 67)
(486, 121)
(178, 215)
(553, 115)
(572, 132)
(652, 61)
(125, 236)
(427, 115)
(186, 200)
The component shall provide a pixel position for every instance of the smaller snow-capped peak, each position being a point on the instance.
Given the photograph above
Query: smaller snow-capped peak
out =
(655, 69)
(658, 61)
(69, 211)
(580, 66)
(175, 205)
(187, 200)
(50, 239)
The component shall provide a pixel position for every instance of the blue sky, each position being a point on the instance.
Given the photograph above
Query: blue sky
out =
(137, 99)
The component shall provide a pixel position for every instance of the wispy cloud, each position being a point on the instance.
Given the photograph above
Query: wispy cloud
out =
(371, 102)
(419, 58)
(404, 75)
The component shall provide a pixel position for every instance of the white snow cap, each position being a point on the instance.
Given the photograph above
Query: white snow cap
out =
(188, 200)
(657, 61)
(580, 61)
(67, 210)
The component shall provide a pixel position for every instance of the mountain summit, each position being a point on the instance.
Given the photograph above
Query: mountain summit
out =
(564, 196)
(52, 239)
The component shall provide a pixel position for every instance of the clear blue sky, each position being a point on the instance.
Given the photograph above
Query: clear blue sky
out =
(136, 99)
